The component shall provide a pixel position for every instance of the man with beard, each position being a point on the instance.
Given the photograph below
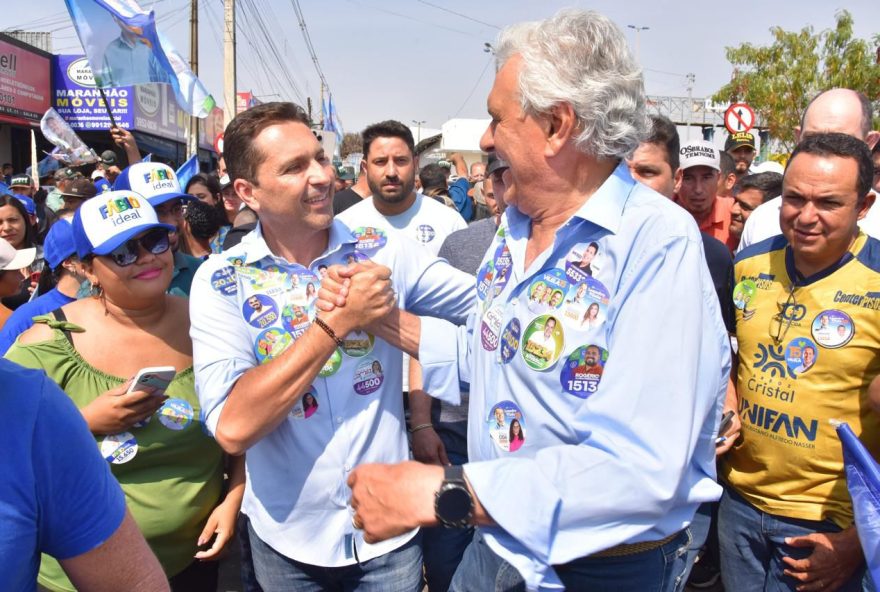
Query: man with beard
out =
(741, 146)
(698, 194)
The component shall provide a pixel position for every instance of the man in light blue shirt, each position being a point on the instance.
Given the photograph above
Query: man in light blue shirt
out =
(310, 398)
(578, 478)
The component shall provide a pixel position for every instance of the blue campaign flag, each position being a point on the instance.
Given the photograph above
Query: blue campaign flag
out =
(188, 170)
(148, 158)
(863, 482)
(124, 48)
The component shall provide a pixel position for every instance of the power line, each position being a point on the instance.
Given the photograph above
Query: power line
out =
(410, 18)
(476, 84)
(311, 48)
(464, 16)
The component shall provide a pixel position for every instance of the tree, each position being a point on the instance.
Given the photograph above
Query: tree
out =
(779, 80)
(351, 143)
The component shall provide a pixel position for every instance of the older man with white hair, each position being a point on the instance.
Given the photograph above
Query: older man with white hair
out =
(594, 482)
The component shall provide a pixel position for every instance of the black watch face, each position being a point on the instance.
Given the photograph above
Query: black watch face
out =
(454, 504)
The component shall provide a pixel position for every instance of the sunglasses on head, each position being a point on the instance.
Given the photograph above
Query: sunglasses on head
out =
(154, 241)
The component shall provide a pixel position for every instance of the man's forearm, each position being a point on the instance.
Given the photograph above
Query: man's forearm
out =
(401, 329)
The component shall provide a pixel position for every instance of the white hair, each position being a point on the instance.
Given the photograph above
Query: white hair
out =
(581, 58)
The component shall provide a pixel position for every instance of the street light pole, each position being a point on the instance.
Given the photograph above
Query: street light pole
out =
(638, 31)
(418, 129)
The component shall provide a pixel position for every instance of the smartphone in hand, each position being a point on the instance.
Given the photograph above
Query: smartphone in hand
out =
(156, 379)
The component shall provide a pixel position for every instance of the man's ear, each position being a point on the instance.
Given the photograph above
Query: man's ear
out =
(561, 123)
(245, 191)
(866, 205)
(872, 139)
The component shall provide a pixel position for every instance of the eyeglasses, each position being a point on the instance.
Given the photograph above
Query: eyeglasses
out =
(155, 241)
(781, 321)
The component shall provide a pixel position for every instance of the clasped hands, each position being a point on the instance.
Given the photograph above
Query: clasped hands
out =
(355, 296)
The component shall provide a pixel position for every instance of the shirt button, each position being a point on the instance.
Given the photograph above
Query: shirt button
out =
(338, 420)
(347, 468)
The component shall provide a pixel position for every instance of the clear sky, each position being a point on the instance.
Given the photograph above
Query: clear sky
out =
(418, 60)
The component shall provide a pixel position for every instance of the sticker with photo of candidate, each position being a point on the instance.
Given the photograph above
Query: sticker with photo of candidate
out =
(306, 406)
(833, 328)
(493, 276)
(271, 343)
(425, 233)
(368, 376)
(369, 237)
(358, 343)
(490, 327)
(506, 426)
(271, 281)
(118, 449)
(510, 340)
(259, 311)
(303, 287)
(296, 319)
(801, 354)
(224, 281)
(237, 261)
(582, 262)
(743, 293)
(587, 305)
(547, 291)
(353, 257)
(175, 414)
(543, 342)
(331, 366)
(583, 370)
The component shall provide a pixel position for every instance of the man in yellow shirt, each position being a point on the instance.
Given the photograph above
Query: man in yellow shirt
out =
(786, 519)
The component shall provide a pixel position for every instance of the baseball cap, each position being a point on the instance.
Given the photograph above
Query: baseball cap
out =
(11, 259)
(699, 153)
(21, 181)
(81, 188)
(738, 140)
(29, 205)
(97, 174)
(225, 182)
(345, 173)
(153, 180)
(108, 157)
(768, 166)
(103, 223)
(59, 243)
(495, 164)
(66, 173)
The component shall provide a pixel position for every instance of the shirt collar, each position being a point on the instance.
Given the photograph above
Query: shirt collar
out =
(256, 248)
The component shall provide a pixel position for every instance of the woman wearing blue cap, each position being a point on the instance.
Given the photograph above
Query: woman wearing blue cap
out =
(170, 470)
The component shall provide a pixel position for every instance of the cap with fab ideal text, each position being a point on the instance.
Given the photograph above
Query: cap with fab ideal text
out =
(12, 259)
(738, 140)
(153, 180)
(59, 243)
(82, 189)
(699, 153)
(103, 223)
(21, 181)
(108, 157)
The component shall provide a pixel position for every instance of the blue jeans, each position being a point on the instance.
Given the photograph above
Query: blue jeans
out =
(658, 570)
(753, 545)
(399, 570)
(699, 533)
(246, 567)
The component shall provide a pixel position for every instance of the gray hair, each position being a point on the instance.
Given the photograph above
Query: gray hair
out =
(581, 58)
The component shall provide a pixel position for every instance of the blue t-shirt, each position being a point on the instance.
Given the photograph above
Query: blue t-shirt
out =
(23, 317)
(57, 495)
(103, 185)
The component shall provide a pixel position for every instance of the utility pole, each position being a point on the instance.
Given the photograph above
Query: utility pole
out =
(321, 125)
(638, 31)
(229, 60)
(418, 123)
(690, 106)
(193, 140)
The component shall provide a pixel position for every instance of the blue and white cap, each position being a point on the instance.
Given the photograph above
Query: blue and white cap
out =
(109, 219)
(59, 243)
(153, 180)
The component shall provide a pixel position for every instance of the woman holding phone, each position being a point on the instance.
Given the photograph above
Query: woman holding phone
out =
(170, 470)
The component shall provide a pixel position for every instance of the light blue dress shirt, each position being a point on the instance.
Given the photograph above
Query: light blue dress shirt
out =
(247, 306)
(616, 411)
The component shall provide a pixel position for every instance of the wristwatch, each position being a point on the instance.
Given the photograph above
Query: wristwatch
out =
(453, 503)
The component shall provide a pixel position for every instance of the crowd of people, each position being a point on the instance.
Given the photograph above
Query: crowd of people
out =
(598, 359)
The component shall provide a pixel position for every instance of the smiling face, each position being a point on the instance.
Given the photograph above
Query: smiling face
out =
(135, 285)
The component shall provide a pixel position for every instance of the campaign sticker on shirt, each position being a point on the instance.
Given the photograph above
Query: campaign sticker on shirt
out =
(490, 327)
(587, 305)
(224, 281)
(425, 233)
(369, 237)
(331, 366)
(506, 426)
(547, 291)
(118, 449)
(581, 262)
(833, 328)
(510, 340)
(543, 342)
(358, 343)
(271, 343)
(296, 319)
(259, 311)
(743, 293)
(801, 355)
(583, 370)
(354, 257)
(368, 377)
(493, 276)
(306, 406)
(175, 414)
(237, 261)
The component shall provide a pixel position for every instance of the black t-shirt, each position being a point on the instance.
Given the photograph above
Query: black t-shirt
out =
(720, 263)
(344, 199)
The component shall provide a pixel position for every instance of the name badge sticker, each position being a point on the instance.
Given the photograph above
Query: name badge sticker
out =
(833, 328)
(510, 340)
(493, 276)
(271, 343)
(306, 406)
(490, 327)
(587, 306)
(582, 262)
(119, 449)
(506, 426)
(425, 233)
(259, 311)
(369, 237)
(583, 370)
(543, 342)
(547, 292)
(175, 414)
(358, 343)
(368, 377)
(801, 355)
(331, 366)
(224, 281)
(743, 293)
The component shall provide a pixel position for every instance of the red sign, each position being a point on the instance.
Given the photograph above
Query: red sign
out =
(739, 117)
(25, 82)
(218, 143)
